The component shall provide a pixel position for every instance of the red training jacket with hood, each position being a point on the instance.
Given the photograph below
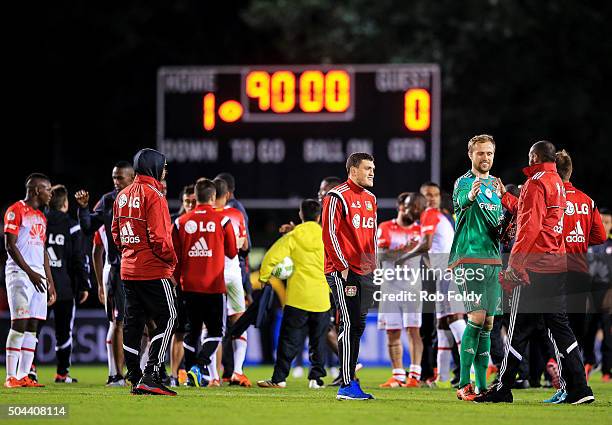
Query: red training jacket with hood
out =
(141, 227)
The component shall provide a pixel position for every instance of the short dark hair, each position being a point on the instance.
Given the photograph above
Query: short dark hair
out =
(205, 190)
(229, 179)
(29, 181)
(546, 151)
(187, 190)
(221, 186)
(123, 164)
(564, 164)
(310, 209)
(605, 211)
(402, 197)
(355, 159)
(429, 184)
(416, 197)
(59, 194)
(513, 189)
(332, 180)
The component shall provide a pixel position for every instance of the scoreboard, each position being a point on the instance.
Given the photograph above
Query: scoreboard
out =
(280, 129)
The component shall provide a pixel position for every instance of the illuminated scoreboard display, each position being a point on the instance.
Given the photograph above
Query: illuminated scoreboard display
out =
(280, 129)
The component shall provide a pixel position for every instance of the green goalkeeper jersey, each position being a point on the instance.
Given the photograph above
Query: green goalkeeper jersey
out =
(477, 225)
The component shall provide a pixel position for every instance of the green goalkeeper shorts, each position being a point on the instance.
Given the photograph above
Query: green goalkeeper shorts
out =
(480, 286)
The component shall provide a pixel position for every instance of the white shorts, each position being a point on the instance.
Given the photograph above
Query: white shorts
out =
(235, 292)
(398, 321)
(448, 307)
(25, 302)
(396, 314)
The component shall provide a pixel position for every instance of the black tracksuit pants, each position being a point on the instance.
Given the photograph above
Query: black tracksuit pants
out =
(148, 300)
(353, 297)
(203, 309)
(63, 313)
(295, 326)
(543, 299)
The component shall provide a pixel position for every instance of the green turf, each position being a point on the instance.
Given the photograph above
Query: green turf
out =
(91, 403)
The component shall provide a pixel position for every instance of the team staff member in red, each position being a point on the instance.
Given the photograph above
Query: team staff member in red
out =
(142, 231)
(349, 239)
(537, 267)
(582, 227)
(202, 239)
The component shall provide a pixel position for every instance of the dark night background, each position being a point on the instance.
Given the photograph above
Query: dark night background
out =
(522, 71)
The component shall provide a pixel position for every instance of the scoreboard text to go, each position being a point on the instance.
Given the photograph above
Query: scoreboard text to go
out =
(287, 95)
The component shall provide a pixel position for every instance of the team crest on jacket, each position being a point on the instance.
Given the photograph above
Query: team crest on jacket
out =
(356, 221)
(122, 200)
(488, 193)
(191, 227)
(368, 205)
(350, 291)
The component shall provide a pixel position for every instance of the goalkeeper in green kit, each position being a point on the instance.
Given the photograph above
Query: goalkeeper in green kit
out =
(475, 260)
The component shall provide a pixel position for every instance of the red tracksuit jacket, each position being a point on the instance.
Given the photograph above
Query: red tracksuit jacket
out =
(539, 243)
(582, 226)
(202, 239)
(349, 229)
(142, 231)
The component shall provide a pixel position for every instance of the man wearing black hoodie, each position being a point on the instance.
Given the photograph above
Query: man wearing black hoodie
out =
(102, 215)
(142, 231)
(67, 262)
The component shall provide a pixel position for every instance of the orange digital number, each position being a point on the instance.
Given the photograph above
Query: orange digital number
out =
(258, 87)
(312, 84)
(417, 109)
(208, 111)
(283, 92)
(337, 91)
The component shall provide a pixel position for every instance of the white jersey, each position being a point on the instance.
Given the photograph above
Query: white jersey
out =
(435, 223)
(30, 227)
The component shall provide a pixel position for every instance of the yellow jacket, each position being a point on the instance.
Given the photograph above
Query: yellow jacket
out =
(307, 288)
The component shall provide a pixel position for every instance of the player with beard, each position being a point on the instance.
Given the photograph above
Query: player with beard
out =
(90, 222)
(476, 260)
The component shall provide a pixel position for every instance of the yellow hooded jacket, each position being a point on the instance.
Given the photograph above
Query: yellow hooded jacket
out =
(307, 288)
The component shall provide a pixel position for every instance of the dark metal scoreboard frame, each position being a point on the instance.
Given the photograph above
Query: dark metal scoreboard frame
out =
(280, 129)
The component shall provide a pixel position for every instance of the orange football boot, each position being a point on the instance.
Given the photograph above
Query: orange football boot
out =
(12, 382)
(392, 383)
(466, 393)
(28, 382)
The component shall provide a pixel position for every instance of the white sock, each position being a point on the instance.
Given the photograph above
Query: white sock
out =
(399, 374)
(212, 367)
(144, 349)
(240, 348)
(14, 340)
(26, 357)
(415, 371)
(110, 355)
(445, 345)
(457, 328)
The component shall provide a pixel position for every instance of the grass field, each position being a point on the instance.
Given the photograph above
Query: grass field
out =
(89, 402)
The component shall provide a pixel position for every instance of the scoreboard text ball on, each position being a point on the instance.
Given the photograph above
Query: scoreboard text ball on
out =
(280, 129)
